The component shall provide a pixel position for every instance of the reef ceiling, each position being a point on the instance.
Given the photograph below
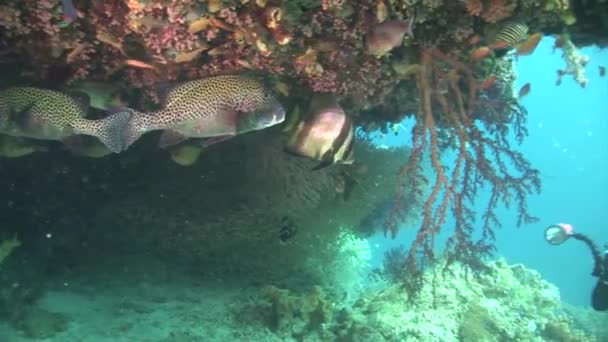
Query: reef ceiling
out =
(366, 51)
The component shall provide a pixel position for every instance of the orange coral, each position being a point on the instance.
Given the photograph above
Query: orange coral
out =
(474, 7)
(491, 11)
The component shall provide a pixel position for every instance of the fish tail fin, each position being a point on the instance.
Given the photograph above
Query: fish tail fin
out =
(109, 130)
(136, 127)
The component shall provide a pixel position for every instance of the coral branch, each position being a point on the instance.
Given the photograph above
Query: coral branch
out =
(484, 160)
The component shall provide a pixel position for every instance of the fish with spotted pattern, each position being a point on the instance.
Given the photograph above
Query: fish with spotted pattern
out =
(50, 115)
(217, 108)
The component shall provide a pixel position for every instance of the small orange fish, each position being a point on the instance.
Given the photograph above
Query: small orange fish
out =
(480, 53)
(221, 25)
(474, 40)
(71, 57)
(488, 83)
(185, 57)
(524, 90)
(501, 44)
(602, 71)
(151, 22)
(199, 25)
(529, 45)
(560, 41)
(109, 39)
(138, 64)
(217, 51)
(245, 64)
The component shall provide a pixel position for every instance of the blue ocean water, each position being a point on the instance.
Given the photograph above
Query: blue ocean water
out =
(568, 143)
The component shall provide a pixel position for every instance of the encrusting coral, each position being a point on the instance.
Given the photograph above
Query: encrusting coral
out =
(506, 302)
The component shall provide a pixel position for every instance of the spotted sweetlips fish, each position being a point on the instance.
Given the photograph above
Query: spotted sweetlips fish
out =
(50, 115)
(218, 108)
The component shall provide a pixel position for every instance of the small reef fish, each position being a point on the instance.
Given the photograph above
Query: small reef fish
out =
(287, 230)
(510, 34)
(102, 96)
(218, 107)
(560, 41)
(488, 82)
(480, 53)
(602, 70)
(15, 147)
(528, 46)
(345, 184)
(110, 40)
(474, 40)
(386, 36)
(50, 115)
(524, 90)
(139, 64)
(326, 135)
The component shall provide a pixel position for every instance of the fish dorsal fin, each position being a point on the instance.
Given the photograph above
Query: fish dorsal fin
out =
(83, 99)
(170, 137)
(292, 120)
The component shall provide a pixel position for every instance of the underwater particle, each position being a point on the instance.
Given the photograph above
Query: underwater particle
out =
(49, 115)
(7, 247)
(216, 107)
(326, 135)
(287, 230)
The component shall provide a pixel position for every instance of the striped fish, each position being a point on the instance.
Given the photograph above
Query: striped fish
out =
(326, 135)
(509, 35)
